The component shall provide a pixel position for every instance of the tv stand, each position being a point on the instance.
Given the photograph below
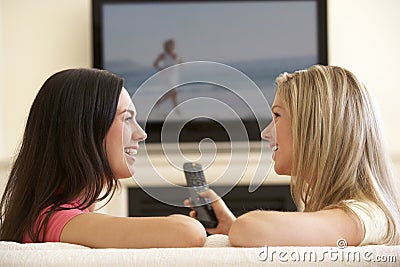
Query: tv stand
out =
(239, 200)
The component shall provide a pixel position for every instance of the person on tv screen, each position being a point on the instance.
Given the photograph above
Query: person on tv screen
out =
(328, 138)
(164, 60)
(81, 137)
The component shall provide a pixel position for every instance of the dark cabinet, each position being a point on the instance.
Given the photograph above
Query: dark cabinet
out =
(239, 200)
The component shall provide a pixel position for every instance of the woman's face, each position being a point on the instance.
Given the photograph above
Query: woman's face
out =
(279, 134)
(123, 137)
(170, 47)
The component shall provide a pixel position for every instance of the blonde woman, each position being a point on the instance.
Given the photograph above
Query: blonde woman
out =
(328, 138)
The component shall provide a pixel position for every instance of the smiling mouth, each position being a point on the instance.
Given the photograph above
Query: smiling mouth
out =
(274, 147)
(130, 151)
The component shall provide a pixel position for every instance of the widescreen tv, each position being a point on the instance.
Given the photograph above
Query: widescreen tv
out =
(259, 39)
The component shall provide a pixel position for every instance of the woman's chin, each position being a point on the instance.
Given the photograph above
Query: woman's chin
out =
(281, 171)
(126, 173)
(125, 177)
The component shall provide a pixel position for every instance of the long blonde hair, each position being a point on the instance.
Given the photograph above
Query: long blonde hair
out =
(338, 148)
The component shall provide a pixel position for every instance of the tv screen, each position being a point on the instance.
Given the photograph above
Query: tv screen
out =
(230, 53)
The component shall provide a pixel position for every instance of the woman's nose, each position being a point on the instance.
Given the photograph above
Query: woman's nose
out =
(142, 134)
(139, 134)
(269, 132)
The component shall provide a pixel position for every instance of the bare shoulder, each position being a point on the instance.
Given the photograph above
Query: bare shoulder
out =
(161, 56)
(103, 231)
(321, 228)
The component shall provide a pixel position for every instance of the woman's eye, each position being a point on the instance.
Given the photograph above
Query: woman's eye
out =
(128, 118)
(276, 115)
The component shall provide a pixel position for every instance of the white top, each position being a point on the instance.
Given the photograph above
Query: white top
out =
(168, 60)
(373, 220)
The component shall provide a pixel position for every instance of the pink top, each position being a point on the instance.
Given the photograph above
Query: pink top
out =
(57, 221)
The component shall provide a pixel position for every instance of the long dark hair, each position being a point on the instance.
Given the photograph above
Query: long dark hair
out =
(62, 155)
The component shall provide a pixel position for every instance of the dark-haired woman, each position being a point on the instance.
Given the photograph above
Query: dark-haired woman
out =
(80, 138)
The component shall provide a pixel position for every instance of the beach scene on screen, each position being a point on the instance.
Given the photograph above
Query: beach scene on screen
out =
(261, 39)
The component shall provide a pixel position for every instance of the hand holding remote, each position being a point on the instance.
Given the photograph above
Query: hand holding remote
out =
(224, 217)
(197, 184)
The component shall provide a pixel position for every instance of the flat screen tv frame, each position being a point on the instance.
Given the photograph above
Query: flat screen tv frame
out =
(197, 130)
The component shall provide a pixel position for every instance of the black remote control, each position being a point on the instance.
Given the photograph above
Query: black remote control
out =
(197, 183)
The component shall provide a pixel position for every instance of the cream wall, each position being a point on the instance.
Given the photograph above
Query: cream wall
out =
(364, 36)
(38, 38)
(2, 151)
